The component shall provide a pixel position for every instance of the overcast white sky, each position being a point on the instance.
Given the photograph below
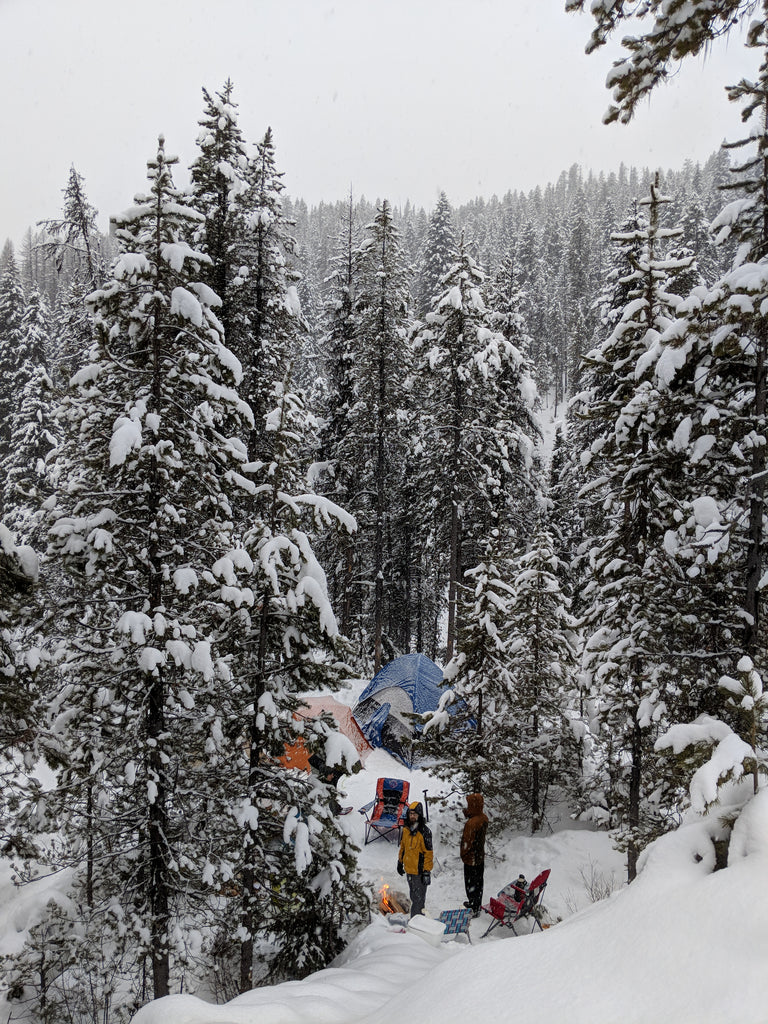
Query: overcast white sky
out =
(397, 98)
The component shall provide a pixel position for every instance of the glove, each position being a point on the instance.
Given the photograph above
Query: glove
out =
(426, 878)
(400, 868)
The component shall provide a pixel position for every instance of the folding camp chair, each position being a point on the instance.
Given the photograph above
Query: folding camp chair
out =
(385, 814)
(457, 921)
(506, 911)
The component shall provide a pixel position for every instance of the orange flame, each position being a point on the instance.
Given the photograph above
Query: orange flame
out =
(386, 906)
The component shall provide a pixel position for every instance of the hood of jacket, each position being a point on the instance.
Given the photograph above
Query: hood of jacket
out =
(475, 805)
(416, 806)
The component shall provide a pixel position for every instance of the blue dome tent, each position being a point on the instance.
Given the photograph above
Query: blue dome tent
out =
(408, 685)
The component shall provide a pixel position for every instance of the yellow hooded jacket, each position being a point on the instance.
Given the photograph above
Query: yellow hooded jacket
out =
(416, 847)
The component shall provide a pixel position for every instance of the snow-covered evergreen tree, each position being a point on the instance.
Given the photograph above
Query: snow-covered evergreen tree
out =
(382, 363)
(18, 574)
(507, 684)
(711, 369)
(438, 254)
(23, 470)
(477, 711)
(631, 594)
(73, 240)
(79, 255)
(295, 863)
(219, 181)
(592, 409)
(506, 300)
(668, 33)
(336, 435)
(11, 316)
(149, 464)
(477, 399)
(543, 727)
(266, 286)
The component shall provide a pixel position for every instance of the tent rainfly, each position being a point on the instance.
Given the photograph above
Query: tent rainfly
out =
(408, 685)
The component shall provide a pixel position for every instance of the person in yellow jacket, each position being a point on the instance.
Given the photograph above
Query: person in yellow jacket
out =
(414, 858)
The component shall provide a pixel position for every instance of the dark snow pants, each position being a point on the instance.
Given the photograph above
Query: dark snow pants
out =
(473, 883)
(418, 893)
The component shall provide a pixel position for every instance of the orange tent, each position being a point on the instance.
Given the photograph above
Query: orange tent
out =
(296, 754)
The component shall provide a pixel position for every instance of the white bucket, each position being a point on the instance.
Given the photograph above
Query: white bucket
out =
(427, 928)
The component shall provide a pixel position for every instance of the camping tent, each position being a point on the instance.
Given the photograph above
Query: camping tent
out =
(296, 754)
(408, 685)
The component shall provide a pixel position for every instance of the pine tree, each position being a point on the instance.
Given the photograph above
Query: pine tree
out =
(477, 709)
(149, 465)
(23, 471)
(338, 400)
(267, 282)
(508, 684)
(11, 316)
(19, 572)
(478, 417)
(716, 755)
(75, 240)
(506, 300)
(381, 368)
(669, 38)
(79, 256)
(438, 254)
(578, 289)
(630, 599)
(712, 373)
(592, 409)
(542, 646)
(719, 351)
(219, 181)
(307, 894)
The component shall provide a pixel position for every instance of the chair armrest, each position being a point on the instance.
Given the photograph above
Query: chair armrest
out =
(366, 807)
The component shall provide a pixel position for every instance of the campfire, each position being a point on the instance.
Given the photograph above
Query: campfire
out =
(391, 902)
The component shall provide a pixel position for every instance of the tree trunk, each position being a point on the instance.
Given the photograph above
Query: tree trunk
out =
(159, 855)
(248, 916)
(536, 809)
(378, 546)
(419, 587)
(158, 851)
(408, 601)
(453, 574)
(633, 849)
(756, 506)
(346, 587)
(381, 413)
(477, 774)
(535, 784)
(249, 912)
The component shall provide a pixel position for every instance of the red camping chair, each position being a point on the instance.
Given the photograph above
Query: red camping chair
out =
(385, 814)
(506, 911)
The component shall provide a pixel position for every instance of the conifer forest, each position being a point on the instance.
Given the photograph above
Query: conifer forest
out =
(250, 449)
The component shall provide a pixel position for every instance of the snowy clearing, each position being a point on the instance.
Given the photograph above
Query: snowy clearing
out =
(653, 953)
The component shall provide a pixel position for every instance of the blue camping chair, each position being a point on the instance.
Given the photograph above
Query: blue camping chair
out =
(385, 814)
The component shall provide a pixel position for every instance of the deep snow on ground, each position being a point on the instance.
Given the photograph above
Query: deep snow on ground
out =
(682, 945)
